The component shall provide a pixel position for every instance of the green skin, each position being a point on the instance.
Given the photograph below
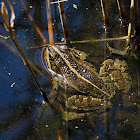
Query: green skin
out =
(96, 91)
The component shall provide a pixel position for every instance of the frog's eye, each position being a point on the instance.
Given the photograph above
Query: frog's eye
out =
(78, 52)
(53, 56)
(50, 49)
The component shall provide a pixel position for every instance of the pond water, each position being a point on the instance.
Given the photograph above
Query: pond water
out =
(23, 114)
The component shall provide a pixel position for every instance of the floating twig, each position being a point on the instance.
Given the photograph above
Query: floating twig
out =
(81, 42)
(57, 1)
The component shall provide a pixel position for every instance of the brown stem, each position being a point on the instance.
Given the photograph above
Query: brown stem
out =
(13, 36)
(63, 22)
(50, 28)
(34, 25)
(83, 41)
(105, 13)
(121, 10)
(27, 63)
(130, 24)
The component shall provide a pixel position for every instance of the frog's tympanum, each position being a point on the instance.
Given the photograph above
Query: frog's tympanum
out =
(78, 84)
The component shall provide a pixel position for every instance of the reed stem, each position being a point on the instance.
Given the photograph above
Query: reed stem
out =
(13, 37)
(105, 13)
(83, 41)
(130, 24)
(121, 10)
(63, 22)
(50, 28)
(34, 25)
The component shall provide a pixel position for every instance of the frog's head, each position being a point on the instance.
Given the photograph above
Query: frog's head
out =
(53, 50)
(52, 53)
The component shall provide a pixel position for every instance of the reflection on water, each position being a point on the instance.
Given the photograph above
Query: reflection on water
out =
(23, 114)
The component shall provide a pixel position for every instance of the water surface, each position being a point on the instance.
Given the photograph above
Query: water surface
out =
(22, 113)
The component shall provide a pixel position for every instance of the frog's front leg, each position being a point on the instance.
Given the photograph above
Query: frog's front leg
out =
(54, 92)
(57, 84)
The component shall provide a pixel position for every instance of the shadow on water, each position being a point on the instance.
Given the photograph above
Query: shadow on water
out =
(23, 114)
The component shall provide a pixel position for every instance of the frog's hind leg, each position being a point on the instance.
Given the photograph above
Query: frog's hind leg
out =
(86, 103)
(80, 106)
(105, 70)
(121, 76)
(114, 73)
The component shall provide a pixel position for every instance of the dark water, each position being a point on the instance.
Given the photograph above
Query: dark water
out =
(22, 114)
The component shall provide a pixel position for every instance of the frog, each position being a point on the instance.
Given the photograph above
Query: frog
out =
(82, 88)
